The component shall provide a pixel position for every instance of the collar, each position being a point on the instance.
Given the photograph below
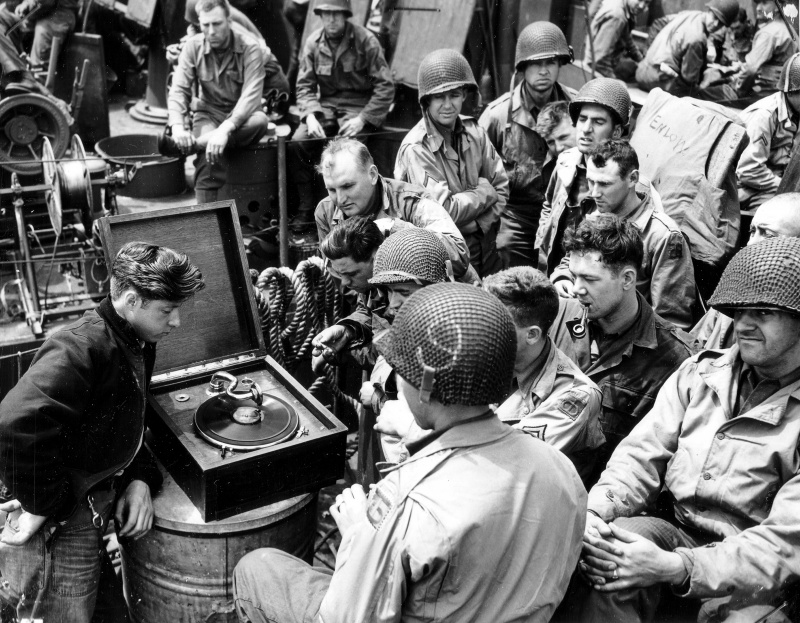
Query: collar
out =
(541, 381)
(377, 205)
(433, 137)
(641, 212)
(481, 430)
(643, 330)
(349, 33)
(784, 114)
(119, 325)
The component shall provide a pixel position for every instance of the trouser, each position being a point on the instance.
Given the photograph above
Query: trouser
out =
(649, 77)
(209, 178)
(59, 23)
(63, 574)
(9, 55)
(483, 253)
(516, 236)
(583, 604)
(270, 585)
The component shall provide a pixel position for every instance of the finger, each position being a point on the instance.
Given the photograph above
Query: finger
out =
(623, 535)
(618, 585)
(10, 506)
(130, 522)
(600, 564)
(357, 491)
(10, 537)
(601, 545)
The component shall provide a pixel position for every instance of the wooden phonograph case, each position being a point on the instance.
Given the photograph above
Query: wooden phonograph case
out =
(234, 429)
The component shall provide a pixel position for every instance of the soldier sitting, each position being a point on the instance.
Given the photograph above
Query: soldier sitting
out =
(722, 441)
(666, 277)
(478, 524)
(772, 47)
(451, 156)
(615, 51)
(771, 124)
(553, 400)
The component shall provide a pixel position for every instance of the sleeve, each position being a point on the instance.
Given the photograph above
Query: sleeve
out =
(183, 80)
(634, 474)
(494, 130)
(692, 63)
(56, 390)
(417, 165)
(495, 172)
(382, 85)
(761, 52)
(306, 86)
(752, 170)
(433, 217)
(609, 32)
(546, 215)
(756, 557)
(252, 86)
(568, 421)
(562, 271)
(360, 321)
(323, 226)
(143, 468)
(381, 558)
(672, 285)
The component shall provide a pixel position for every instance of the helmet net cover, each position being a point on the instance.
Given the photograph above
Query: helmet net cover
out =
(333, 5)
(606, 92)
(790, 74)
(762, 275)
(541, 40)
(443, 70)
(455, 343)
(408, 254)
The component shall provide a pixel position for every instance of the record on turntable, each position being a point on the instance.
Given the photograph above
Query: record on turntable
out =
(247, 419)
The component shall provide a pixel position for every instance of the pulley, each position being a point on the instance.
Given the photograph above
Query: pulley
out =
(76, 184)
(52, 182)
(25, 122)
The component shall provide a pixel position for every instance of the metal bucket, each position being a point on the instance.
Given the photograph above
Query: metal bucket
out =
(252, 181)
(159, 176)
(182, 570)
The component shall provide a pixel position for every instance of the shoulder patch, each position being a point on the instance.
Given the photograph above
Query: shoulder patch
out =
(534, 430)
(573, 403)
(675, 246)
(379, 507)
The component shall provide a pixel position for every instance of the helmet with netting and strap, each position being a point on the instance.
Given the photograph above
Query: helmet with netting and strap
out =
(790, 75)
(609, 93)
(539, 41)
(764, 275)
(444, 70)
(455, 343)
(333, 5)
(411, 255)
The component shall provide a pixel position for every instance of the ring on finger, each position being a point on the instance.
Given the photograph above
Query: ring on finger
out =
(615, 576)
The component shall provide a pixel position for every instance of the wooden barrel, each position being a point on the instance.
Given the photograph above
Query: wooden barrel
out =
(182, 570)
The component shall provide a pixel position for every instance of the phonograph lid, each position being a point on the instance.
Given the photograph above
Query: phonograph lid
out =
(244, 425)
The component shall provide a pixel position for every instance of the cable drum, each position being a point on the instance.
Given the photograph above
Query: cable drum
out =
(76, 185)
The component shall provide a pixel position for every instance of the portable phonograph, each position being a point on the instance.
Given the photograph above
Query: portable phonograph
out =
(234, 429)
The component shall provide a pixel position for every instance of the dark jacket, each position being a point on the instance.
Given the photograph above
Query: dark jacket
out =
(76, 417)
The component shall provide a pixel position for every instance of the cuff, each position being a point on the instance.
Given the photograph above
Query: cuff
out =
(360, 337)
(687, 556)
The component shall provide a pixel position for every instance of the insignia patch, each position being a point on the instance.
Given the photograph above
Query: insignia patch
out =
(430, 182)
(535, 431)
(379, 507)
(675, 246)
(573, 403)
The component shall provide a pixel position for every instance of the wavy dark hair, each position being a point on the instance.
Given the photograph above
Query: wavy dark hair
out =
(615, 150)
(618, 241)
(357, 237)
(551, 117)
(527, 294)
(156, 273)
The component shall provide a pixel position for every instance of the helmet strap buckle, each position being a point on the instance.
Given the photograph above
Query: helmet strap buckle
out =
(426, 386)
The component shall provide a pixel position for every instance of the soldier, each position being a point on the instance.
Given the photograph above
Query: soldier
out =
(553, 399)
(721, 442)
(614, 48)
(618, 341)
(355, 188)
(771, 124)
(676, 58)
(227, 71)
(772, 47)
(777, 217)
(451, 156)
(511, 125)
(600, 112)
(666, 277)
(51, 18)
(343, 88)
(554, 125)
(479, 524)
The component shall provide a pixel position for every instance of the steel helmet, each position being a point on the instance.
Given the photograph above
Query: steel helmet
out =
(606, 92)
(541, 40)
(726, 10)
(790, 75)
(442, 70)
(412, 254)
(762, 275)
(455, 343)
(333, 5)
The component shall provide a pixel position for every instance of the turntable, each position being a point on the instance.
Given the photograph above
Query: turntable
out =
(233, 428)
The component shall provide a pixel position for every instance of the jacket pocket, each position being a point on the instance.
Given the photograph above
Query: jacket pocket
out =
(623, 407)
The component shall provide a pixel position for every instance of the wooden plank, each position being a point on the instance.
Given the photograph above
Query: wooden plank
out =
(422, 32)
